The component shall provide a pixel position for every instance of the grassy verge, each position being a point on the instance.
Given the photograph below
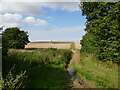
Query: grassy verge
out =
(96, 73)
(44, 68)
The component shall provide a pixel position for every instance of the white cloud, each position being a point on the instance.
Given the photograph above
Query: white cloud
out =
(36, 8)
(69, 6)
(16, 20)
(10, 20)
(32, 20)
(21, 8)
(8, 17)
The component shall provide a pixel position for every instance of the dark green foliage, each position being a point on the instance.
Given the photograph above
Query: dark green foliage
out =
(102, 26)
(88, 44)
(15, 38)
(4, 46)
(13, 82)
(44, 68)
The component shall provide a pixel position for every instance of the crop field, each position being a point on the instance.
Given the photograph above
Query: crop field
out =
(58, 45)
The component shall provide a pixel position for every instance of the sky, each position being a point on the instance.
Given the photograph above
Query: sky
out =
(44, 21)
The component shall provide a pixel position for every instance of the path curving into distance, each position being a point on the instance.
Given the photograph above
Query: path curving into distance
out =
(78, 82)
(76, 59)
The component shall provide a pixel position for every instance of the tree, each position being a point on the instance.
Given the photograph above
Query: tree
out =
(103, 24)
(14, 38)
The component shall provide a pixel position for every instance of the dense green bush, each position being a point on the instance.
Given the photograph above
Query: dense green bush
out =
(15, 38)
(102, 27)
(4, 46)
(88, 44)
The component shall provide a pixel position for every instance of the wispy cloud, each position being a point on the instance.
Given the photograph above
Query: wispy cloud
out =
(32, 20)
(14, 20)
(65, 34)
(36, 8)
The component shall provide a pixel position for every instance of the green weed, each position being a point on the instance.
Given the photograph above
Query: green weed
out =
(44, 68)
(101, 76)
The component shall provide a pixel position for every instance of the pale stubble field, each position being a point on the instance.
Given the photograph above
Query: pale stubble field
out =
(58, 45)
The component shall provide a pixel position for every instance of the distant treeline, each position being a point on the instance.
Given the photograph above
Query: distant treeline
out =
(102, 26)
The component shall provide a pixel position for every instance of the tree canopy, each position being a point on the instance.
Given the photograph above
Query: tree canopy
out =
(14, 38)
(102, 26)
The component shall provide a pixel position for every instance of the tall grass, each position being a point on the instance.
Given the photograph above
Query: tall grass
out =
(96, 74)
(44, 68)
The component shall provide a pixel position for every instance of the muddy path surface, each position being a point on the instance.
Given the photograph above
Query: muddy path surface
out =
(77, 82)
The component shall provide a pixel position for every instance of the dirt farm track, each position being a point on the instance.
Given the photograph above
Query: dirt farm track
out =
(58, 45)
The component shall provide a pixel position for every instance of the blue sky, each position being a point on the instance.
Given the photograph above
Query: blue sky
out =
(45, 21)
(65, 18)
